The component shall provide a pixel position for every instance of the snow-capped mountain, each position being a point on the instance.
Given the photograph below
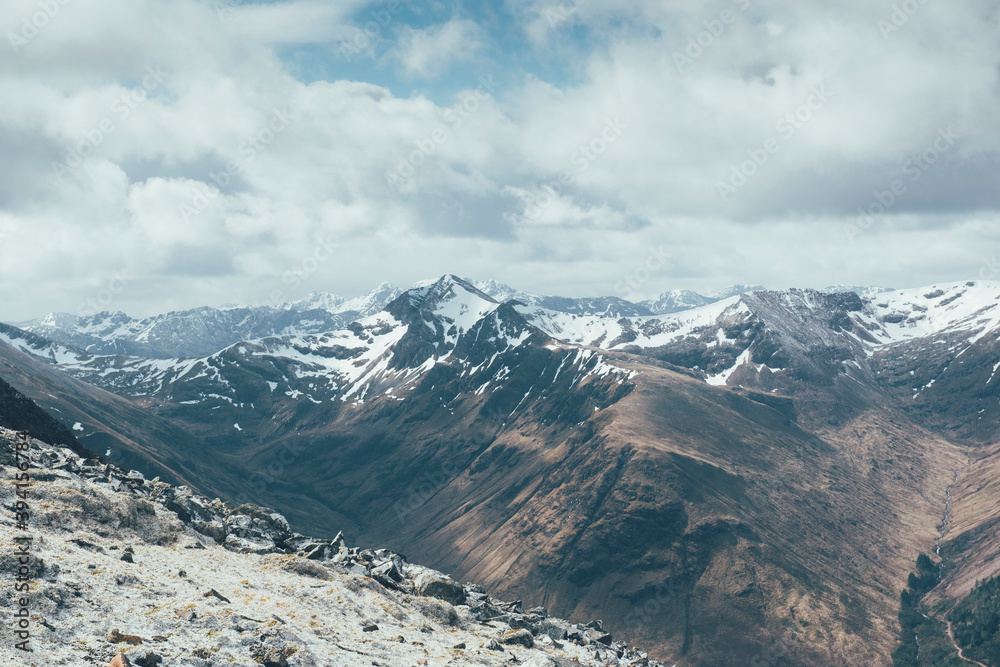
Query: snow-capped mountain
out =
(361, 306)
(202, 331)
(866, 291)
(512, 443)
(921, 345)
(676, 301)
(763, 339)
(604, 306)
(736, 290)
(446, 321)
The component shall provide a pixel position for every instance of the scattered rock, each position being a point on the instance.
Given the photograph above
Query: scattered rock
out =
(554, 628)
(186, 614)
(598, 636)
(434, 584)
(127, 580)
(216, 594)
(84, 544)
(299, 565)
(370, 627)
(275, 658)
(9, 563)
(440, 611)
(127, 557)
(150, 659)
(518, 638)
(116, 637)
(539, 661)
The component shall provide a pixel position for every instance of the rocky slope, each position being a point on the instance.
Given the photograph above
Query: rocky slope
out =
(124, 565)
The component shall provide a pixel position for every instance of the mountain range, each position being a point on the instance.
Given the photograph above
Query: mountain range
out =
(750, 478)
(203, 331)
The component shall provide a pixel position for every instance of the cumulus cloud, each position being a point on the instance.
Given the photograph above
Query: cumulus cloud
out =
(761, 142)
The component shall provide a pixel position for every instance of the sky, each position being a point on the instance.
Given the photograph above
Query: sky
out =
(166, 154)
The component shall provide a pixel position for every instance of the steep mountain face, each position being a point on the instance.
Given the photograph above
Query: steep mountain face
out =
(939, 355)
(19, 413)
(750, 479)
(202, 331)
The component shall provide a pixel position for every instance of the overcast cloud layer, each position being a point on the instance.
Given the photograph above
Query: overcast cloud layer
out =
(195, 152)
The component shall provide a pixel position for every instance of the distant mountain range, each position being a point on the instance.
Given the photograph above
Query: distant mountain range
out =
(752, 475)
(203, 331)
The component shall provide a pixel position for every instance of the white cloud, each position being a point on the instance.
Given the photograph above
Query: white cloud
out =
(479, 156)
(429, 52)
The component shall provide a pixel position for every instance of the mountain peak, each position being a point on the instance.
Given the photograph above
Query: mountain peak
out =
(317, 301)
(499, 291)
(445, 288)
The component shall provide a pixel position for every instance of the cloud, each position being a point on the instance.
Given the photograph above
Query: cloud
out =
(625, 119)
(429, 52)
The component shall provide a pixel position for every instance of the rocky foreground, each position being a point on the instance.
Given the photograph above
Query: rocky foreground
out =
(129, 571)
